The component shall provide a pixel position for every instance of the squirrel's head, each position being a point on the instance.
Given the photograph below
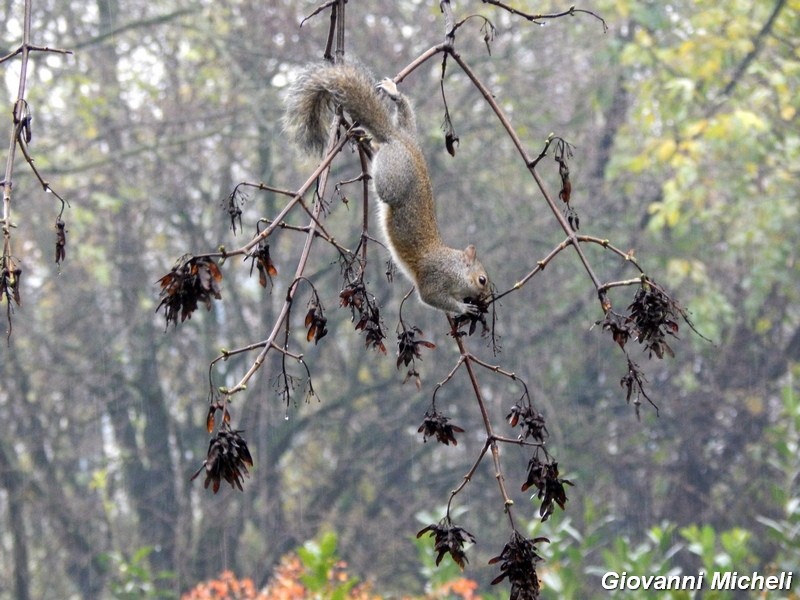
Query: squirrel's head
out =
(478, 278)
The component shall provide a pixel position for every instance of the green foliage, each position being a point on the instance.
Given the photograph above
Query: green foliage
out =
(132, 577)
(728, 550)
(785, 460)
(715, 110)
(320, 559)
(562, 574)
(573, 554)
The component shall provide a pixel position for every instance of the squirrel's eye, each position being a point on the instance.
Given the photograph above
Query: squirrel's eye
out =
(482, 280)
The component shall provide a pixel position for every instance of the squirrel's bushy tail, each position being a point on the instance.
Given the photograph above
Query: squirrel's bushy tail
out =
(312, 96)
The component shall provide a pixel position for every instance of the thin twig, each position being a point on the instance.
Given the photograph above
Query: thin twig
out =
(468, 477)
(572, 11)
(466, 359)
(529, 163)
(449, 376)
(320, 176)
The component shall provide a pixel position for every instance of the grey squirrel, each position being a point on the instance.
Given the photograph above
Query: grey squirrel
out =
(444, 277)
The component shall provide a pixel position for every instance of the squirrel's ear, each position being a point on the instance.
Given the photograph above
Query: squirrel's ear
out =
(470, 253)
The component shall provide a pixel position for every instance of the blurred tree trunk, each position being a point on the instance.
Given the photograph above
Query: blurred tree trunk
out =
(12, 483)
(136, 394)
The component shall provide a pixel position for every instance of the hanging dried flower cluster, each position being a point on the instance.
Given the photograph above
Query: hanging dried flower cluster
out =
(518, 563)
(449, 539)
(435, 424)
(228, 459)
(192, 281)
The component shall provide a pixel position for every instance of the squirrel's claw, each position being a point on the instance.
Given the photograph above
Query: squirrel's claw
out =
(389, 87)
(472, 308)
(468, 309)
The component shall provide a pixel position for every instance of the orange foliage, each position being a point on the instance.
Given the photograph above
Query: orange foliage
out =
(286, 584)
(227, 587)
(462, 588)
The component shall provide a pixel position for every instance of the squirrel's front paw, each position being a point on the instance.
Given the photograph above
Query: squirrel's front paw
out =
(472, 312)
(469, 309)
(388, 86)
